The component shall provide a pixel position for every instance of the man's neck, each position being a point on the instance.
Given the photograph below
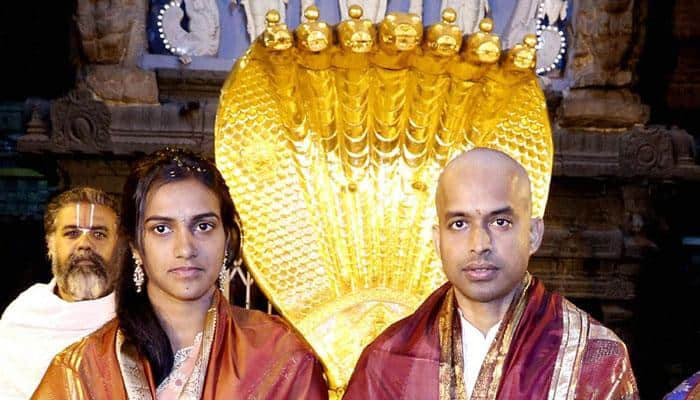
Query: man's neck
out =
(484, 315)
(63, 295)
(70, 298)
(182, 320)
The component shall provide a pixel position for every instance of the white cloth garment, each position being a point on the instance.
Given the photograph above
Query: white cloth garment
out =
(474, 348)
(36, 326)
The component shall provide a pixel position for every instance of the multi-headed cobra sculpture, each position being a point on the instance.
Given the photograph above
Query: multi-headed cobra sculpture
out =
(331, 140)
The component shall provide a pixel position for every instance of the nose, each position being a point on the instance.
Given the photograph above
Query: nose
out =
(185, 245)
(479, 240)
(84, 241)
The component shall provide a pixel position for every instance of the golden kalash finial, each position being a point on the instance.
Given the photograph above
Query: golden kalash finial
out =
(345, 155)
(313, 35)
(399, 35)
(400, 32)
(523, 56)
(483, 46)
(481, 52)
(276, 35)
(444, 38)
(356, 35)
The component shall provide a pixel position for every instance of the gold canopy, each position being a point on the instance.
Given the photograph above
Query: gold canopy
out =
(331, 141)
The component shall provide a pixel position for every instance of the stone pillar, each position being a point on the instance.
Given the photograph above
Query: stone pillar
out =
(607, 36)
(112, 37)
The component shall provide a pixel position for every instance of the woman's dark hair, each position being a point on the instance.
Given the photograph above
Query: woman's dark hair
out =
(137, 318)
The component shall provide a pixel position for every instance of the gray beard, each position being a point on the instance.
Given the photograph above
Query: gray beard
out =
(83, 282)
(84, 285)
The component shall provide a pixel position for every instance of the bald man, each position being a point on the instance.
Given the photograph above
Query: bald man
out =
(492, 331)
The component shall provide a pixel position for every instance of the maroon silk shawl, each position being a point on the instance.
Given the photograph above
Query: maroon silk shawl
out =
(543, 360)
(253, 356)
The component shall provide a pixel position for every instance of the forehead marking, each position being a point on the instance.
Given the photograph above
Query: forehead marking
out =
(91, 216)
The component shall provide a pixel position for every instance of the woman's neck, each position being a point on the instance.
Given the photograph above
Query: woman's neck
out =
(181, 320)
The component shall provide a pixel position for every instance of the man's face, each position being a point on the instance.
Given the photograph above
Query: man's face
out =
(83, 251)
(485, 234)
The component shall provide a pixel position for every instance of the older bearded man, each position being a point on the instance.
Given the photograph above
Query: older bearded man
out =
(82, 238)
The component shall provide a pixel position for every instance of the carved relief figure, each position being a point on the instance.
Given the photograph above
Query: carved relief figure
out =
(104, 29)
(202, 39)
(603, 33)
(526, 15)
(255, 14)
(78, 121)
(544, 18)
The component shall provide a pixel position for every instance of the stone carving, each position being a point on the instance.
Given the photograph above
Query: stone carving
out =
(601, 109)
(606, 37)
(644, 152)
(607, 40)
(526, 15)
(37, 128)
(581, 278)
(373, 10)
(202, 36)
(80, 123)
(104, 28)
(123, 85)
(639, 214)
(255, 14)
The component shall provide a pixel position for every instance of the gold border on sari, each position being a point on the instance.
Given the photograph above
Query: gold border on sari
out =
(135, 382)
(73, 358)
(489, 379)
(576, 326)
(451, 376)
(74, 385)
(451, 352)
(195, 384)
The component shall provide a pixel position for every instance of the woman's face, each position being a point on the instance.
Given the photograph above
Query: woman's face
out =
(183, 242)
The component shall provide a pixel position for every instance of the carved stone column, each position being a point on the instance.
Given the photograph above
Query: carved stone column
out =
(606, 40)
(112, 37)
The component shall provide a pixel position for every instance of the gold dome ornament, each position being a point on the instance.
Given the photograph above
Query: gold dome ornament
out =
(313, 36)
(444, 38)
(332, 152)
(357, 35)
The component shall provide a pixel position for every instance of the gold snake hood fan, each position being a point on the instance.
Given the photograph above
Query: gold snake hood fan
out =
(331, 140)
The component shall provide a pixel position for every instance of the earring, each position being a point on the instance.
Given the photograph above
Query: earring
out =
(223, 274)
(139, 276)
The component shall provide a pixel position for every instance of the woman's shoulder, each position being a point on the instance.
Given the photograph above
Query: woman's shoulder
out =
(261, 327)
(258, 320)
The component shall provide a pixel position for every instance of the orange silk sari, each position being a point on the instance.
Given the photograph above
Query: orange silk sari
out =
(249, 355)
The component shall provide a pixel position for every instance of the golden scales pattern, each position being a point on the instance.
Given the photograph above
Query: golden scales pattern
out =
(331, 140)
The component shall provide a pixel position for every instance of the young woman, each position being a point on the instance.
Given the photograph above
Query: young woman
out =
(175, 335)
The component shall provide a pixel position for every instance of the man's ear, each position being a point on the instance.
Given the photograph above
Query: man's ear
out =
(50, 246)
(536, 234)
(436, 239)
